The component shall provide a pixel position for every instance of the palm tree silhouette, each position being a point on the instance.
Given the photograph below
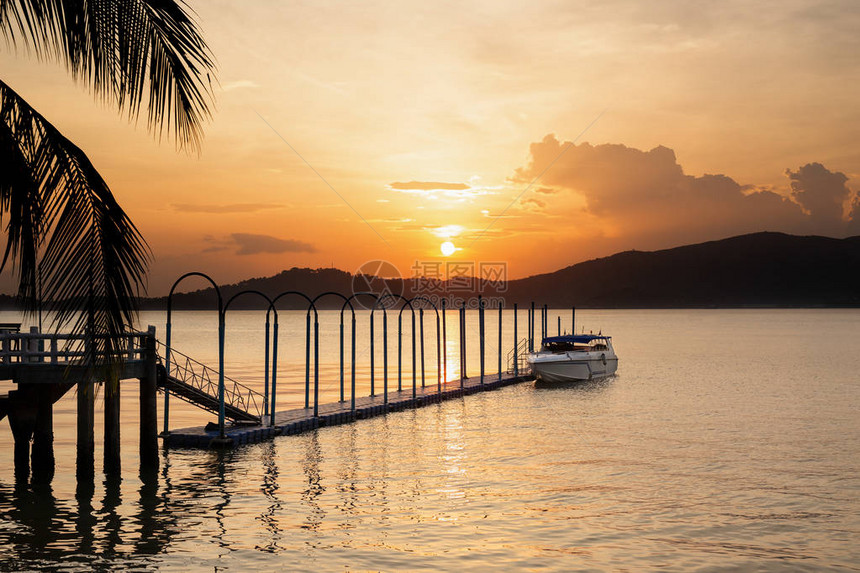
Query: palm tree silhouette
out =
(70, 243)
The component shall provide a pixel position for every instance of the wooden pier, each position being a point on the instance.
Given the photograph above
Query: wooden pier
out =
(301, 420)
(46, 366)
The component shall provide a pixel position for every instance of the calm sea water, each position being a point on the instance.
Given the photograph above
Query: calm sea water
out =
(728, 440)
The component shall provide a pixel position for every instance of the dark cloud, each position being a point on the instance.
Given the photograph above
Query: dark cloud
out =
(252, 244)
(427, 186)
(228, 208)
(821, 192)
(646, 194)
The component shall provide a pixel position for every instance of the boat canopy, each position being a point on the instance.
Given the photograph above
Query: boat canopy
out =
(574, 338)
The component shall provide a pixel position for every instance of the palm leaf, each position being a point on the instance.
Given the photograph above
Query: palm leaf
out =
(92, 256)
(136, 53)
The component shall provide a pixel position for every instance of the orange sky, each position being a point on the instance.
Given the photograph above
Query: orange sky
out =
(429, 121)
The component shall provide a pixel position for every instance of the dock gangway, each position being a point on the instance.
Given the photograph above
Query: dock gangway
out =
(197, 384)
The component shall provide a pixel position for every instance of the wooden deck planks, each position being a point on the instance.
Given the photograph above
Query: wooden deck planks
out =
(300, 420)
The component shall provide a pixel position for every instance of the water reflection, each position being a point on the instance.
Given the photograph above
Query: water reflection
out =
(348, 475)
(583, 386)
(450, 429)
(85, 521)
(34, 510)
(314, 487)
(219, 462)
(269, 488)
(377, 477)
(153, 531)
(525, 478)
(110, 517)
(46, 530)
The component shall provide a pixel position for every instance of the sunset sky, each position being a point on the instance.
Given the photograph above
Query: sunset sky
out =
(646, 124)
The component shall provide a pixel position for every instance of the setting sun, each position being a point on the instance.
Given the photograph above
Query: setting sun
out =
(448, 248)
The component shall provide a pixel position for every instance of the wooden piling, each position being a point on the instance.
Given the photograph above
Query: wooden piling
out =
(85, 460)
(42, 456)
(22, 421)
(112, 459)
(149, 408)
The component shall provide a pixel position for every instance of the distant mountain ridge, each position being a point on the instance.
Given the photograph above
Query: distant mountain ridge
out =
(757, 270)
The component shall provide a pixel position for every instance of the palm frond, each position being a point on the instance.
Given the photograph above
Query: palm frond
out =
(137, 53)
(93, 259)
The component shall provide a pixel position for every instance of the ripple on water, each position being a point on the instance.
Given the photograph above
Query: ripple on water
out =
(683, 461)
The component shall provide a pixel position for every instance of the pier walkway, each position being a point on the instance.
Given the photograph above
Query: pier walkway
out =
(300, 420)
(45, 366)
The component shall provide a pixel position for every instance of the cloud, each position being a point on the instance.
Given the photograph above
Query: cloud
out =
(226, 208)
(623, 191)
(533, 204)
(448, 231)
(821, 192)
(434, 189)
(427, 186)
(252, 244)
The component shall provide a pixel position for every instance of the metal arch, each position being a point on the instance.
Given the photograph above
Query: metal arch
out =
(220, 348)
(481, 332)
(328, 293)
(317, 347)
(422, 298)
(444, 343)
(463, 356)
(406, 301)
(273, 310)
(297, 293)
(378, 304)
(193, 274)
(311, 305)
(352, 335)
(346, 302)
(384, 344)
(251, 291)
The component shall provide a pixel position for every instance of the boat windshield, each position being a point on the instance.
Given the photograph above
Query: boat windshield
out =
(560, 345)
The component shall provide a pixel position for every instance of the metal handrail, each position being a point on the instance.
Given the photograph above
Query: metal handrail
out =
(205, 379)
(519, 354)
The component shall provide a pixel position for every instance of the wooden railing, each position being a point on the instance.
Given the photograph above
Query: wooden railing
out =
(60, 349)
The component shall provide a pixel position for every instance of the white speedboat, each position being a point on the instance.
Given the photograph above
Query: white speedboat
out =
(574, 357)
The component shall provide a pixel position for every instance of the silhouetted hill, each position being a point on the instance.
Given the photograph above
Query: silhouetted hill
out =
(761, 269)
(757, 270)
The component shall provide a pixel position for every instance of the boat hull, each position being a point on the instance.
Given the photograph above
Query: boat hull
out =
(573, 370)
